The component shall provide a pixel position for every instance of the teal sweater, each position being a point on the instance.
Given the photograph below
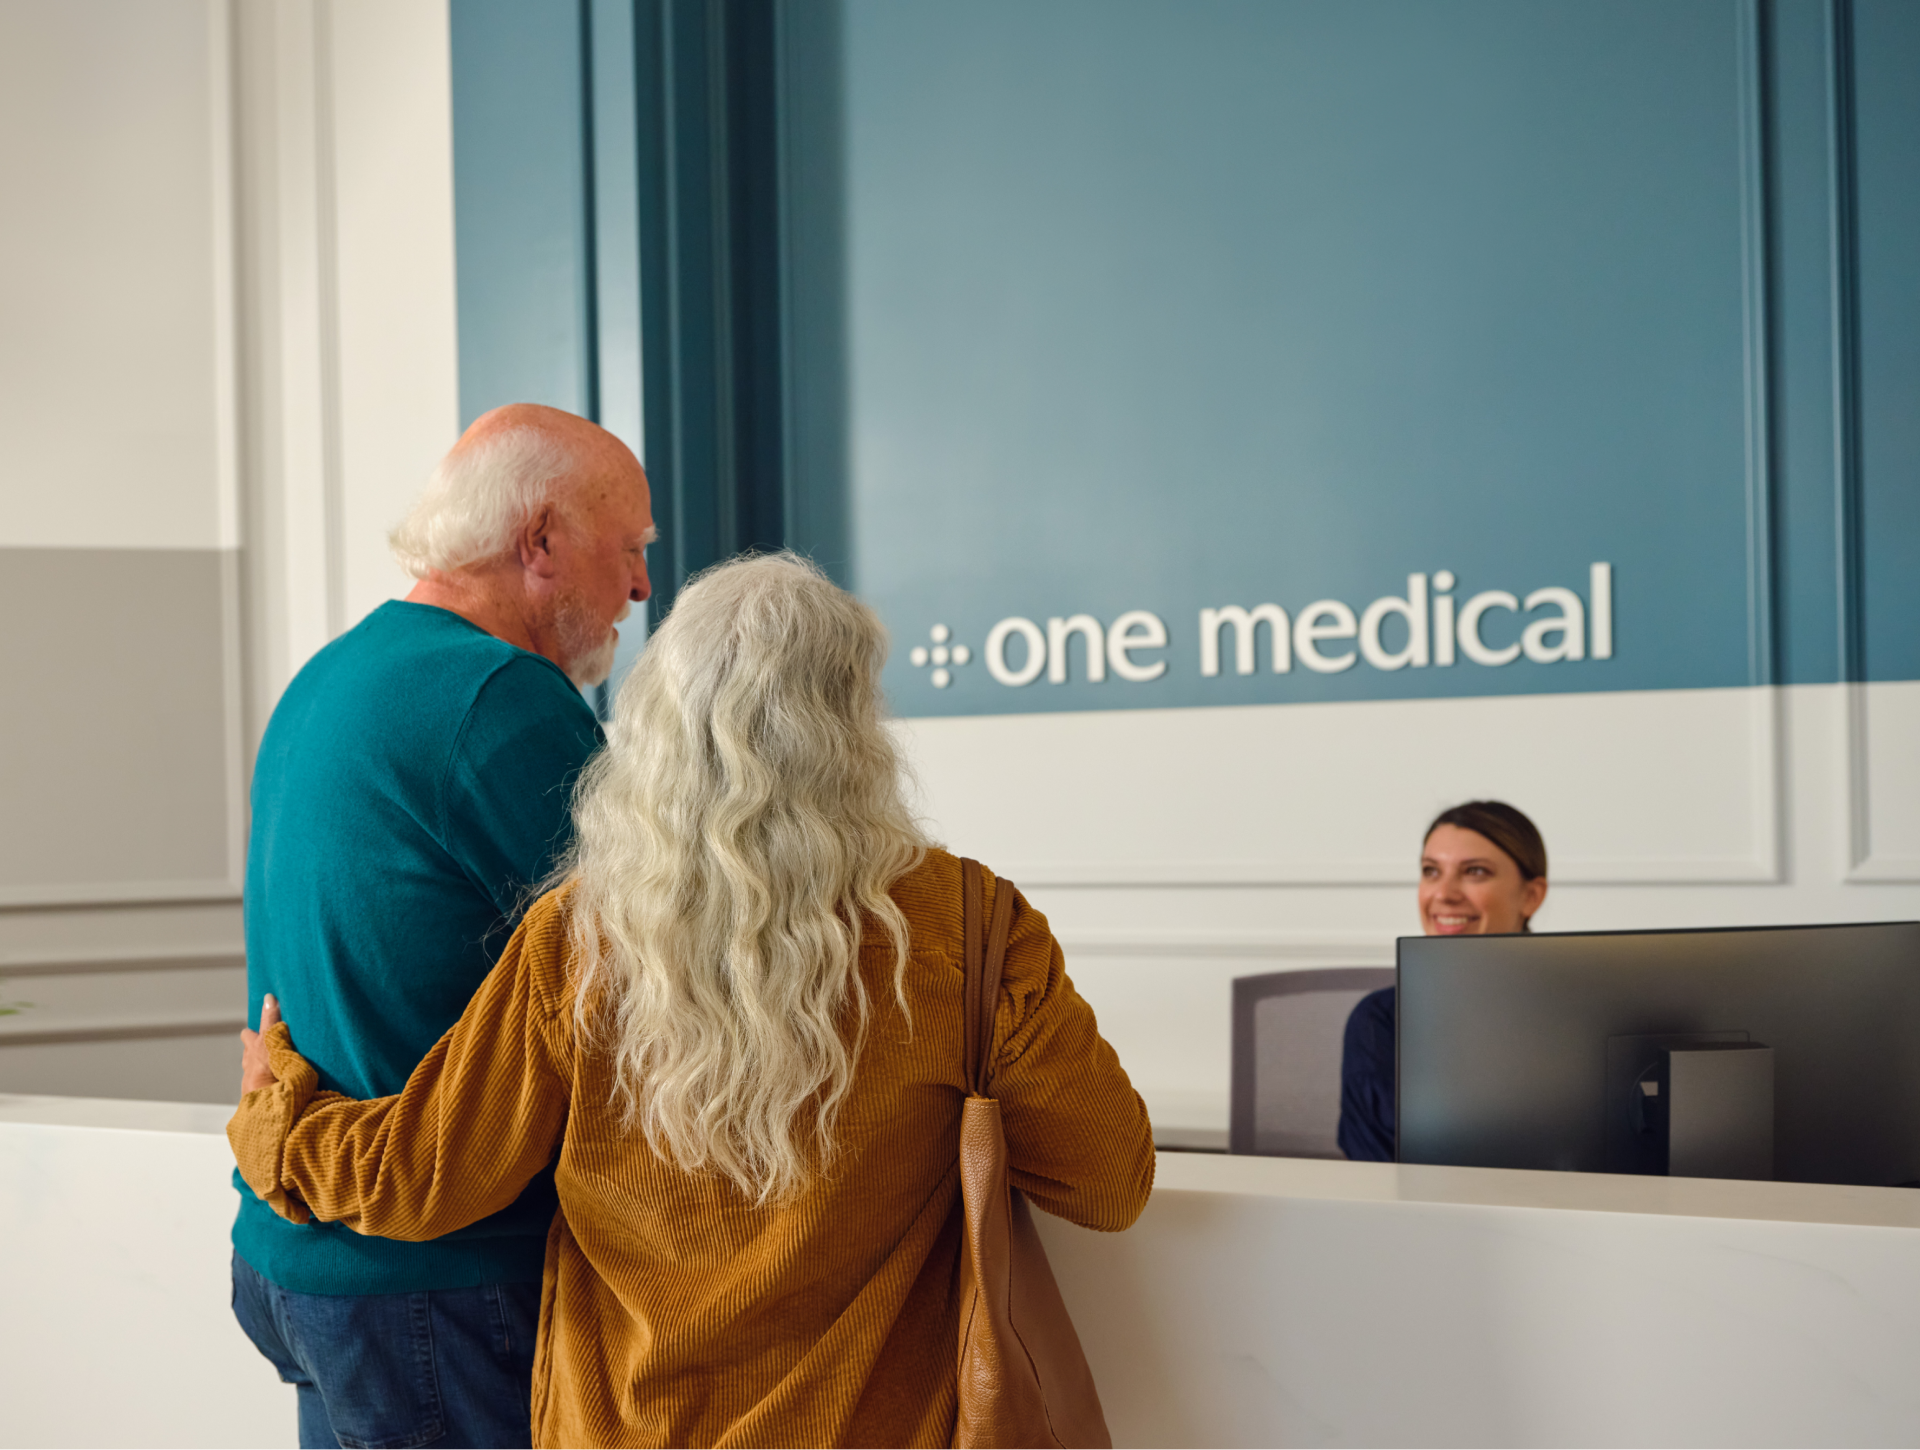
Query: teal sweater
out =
(412, 786)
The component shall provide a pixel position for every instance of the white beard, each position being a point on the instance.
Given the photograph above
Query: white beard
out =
(593, 669)
(589, 649)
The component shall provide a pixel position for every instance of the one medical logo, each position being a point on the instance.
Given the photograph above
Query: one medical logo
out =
(940, 656)
(1432, 628)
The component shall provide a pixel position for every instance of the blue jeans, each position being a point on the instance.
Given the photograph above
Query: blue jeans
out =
(441, 1367)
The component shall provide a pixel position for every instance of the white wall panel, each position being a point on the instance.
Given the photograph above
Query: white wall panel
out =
(1884, 781)
(346, 151)
(102, 805)
(119, 453)
(393, 209)
(171, 343)
(128, 1001)
(163, 1028)
(1633, 792)
(115, 416)
(1329, 794)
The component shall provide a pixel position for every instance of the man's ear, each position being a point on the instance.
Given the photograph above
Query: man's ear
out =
(535, 542)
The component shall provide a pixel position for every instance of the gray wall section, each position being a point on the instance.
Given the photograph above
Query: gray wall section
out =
(115, 776)
(115, 785)
(161, 1028)
(173, 1068)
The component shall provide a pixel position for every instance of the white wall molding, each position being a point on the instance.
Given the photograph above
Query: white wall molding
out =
(113, 1023)
(58, 964)
(1882, 782)
(347, 215)
(226, 275)
(1571, 871)
(31, 937)
(230, 784)
(307, 465)
(1887, 868)
(1149, 798)
(396, 359)
(1308, 948)
(128, 1030)
(121, 893)
(223, 90)
(68, 1000)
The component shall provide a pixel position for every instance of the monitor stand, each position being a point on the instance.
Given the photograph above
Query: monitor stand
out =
(1692, 1104)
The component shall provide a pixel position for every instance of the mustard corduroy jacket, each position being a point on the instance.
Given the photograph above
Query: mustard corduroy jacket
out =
(674, 1311)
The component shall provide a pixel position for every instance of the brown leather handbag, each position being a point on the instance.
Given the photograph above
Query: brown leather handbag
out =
(1024, 1379)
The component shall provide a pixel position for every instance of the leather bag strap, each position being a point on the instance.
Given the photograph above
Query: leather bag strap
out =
(986, 949)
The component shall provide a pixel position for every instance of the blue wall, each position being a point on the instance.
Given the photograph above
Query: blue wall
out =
(1885, 389)
(546, 221)
(1099, 306)
(522, 193)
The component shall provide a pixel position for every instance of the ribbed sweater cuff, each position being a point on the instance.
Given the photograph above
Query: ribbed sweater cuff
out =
(258, 1129)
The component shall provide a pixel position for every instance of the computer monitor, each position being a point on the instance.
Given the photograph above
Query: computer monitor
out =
(1529, 1051)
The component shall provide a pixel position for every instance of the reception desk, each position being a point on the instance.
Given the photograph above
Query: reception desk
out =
(1285, 1301)
(1259, 1301)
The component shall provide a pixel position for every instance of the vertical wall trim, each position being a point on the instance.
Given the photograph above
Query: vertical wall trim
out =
(223, 81)
(710, 271)
(614, 139)
(790, 512)
(307, 440)
(667, 76)
(309, 337)
(1752, 37)
(1843, 298)
(590, 259)
(1757, 338)
(327, 296)
(590, 220)
(233, 717)
(720, 263)
(221, 100)
(1844, 261)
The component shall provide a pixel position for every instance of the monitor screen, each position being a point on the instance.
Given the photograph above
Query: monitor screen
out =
(1505, 1042)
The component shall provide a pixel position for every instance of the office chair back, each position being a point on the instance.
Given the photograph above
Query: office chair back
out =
(1288, 1032)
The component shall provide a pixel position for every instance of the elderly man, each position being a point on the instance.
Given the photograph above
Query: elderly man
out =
(411, 790)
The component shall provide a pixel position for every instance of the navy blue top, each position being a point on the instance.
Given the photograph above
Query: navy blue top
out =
(412, 786)
(1366, 1079)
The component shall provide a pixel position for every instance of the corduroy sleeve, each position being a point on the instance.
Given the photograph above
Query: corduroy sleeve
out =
(481, 1114)
(1078, 1141)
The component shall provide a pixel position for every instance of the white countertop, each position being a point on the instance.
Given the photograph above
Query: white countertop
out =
(1315, 1178)
(124, 1113)
(1297, 1178)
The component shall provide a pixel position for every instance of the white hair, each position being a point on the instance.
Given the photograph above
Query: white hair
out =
(478, 497)
(740, 831)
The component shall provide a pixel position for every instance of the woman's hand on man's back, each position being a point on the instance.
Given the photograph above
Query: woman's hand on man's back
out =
(256, 1071)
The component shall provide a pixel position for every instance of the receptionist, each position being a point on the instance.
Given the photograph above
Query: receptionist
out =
(1483, 870)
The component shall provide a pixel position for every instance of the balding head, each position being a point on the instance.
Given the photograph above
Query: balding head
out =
(589, 444)
(507, 465)
(534, 526)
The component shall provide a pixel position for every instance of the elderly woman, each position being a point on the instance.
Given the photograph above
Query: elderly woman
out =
(738, 1026)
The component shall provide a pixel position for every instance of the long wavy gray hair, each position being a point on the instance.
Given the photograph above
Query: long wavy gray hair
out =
(742, 827)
